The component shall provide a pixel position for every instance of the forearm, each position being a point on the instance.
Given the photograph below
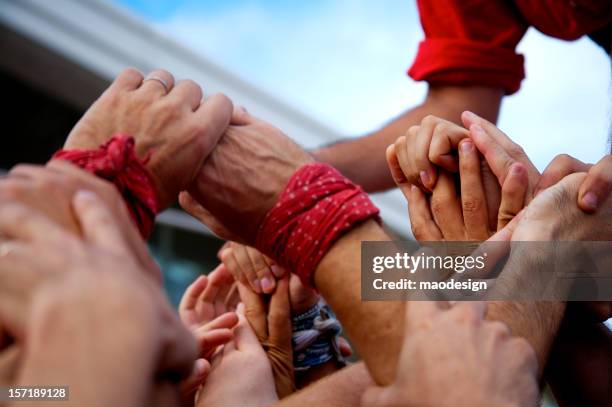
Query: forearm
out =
(363, 159)
(580, 367)
(536, 321)
(343, 388)
(374, 327)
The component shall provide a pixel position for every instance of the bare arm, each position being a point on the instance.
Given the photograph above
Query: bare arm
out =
(343, 388)
(363, 159)
(376, 328)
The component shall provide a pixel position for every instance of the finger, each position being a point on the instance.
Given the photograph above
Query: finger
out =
(423, 226)
(226, 320)
(201, 370)
(469, 119)
(243, 263)
(513, 191)
(473, 199)
(404, 146)
(157, 83)
(596, 188)
(17, 222)
(208, 341)
(187, 92)
(497, 157)
(245, 337)
(561, 166)
(346, 350)
(444, 143)
(262, 270)
(128, 79)
(427, 172)
(473, 310)
(233, 298)
(396, 171)
(97, 224)
(279, 316)
(255, 311)
(226, 245)
(192, 293)
(214, 115)
(240, 116)
(446, 208)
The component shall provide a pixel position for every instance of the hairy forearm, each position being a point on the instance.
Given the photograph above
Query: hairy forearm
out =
(363, 159)
(580, 367)
(536, 321)
(374, 327)
(343, 388)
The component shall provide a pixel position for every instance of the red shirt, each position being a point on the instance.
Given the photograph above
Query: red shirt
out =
(472, 42)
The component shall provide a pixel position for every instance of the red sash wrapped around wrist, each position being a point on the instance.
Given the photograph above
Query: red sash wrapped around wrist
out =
(116, 161)
(316, 208)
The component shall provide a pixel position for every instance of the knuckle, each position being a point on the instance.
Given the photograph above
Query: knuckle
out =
(130, 74)
(523, 349)
(499, 329)
(418, 230)
(429, 120)
(412, 131)
(472, 205)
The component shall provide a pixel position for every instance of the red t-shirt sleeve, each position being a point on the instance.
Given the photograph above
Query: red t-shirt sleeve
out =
(470, 42)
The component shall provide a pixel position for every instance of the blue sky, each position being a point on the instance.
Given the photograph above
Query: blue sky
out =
(344, 61)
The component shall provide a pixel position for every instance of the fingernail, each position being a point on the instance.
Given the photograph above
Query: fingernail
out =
(276, 270)
(266, 284)
(476, 129)
(257, 286)
(516, 169)
(466, 146)
(413, 188)
(425, 179)
(199, 367)
(470, 116)
(589, 200)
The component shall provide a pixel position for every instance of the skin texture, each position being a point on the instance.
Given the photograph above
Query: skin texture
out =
(440, 342)
(243, 354)
(52, 285)
(368, 324)
(362, 159)
(341, 389)
(206, 308)
(271, 322)
(174, 131)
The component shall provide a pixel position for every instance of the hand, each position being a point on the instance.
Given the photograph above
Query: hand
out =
(251, 267)
(440, 343)
(51, 285)
(596, 187)
(224, 387)
(173, 127)
(243, 177)
(49, 190)
(271, 323)
(554, 215)
(448, 215)
(206, 309)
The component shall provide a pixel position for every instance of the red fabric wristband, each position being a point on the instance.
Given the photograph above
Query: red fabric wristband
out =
(317, 206)
(116, 161)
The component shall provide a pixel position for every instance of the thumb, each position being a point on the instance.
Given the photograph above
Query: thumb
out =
(193, 207)
(279, 316)
(244, 336)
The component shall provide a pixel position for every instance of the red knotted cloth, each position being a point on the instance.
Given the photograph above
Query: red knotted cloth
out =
(116, 161)
(317, 207)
